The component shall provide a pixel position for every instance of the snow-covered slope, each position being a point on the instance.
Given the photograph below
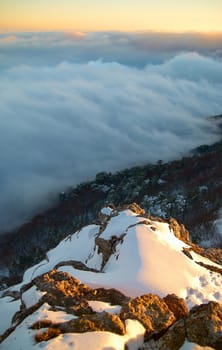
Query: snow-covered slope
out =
(128, 252)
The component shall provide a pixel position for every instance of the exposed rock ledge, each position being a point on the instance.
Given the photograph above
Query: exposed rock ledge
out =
(167, 321)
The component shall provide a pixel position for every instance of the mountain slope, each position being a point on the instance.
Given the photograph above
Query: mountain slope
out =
(189, 189)
(135, 258)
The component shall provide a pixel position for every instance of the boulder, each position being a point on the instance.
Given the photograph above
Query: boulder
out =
(112, 296)
(176, 305)
(204, 325)
(151, 311)
(173, 339)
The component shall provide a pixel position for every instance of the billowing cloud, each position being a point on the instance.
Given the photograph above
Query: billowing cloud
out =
(63, 122)
(133, 49)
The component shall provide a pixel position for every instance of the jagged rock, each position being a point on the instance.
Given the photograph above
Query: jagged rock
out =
(79, 265)
(173, 339)
(151, 311)
(102, 321)
(204, 325)
(135, 208)
(176, 305)
(210, 267)
(62, 289)
(179, 230)
(107, 247)
(213, 254)
(186, 251)
(12, 293)
(89, 323)
(112, 296)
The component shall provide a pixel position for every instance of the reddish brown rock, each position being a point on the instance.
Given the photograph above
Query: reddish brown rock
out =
(173, 339)
(176, 305)
(102, 321)
(89, 323)
(204, 325)
(179, 230)
(151, 311)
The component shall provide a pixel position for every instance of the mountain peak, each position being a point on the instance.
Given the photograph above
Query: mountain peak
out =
(106, 279)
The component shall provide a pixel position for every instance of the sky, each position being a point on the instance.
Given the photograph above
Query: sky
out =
(101, 15)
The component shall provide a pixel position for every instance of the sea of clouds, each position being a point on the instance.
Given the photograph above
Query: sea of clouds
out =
(73, 104)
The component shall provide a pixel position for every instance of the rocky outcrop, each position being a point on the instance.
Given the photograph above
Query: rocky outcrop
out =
(173, 339)
(151, 311)
(134, 207)
(204, 325)
(176, 305)
(89, 323)
(167, 321)
(179, 230)
(64, 290)
(107, 247)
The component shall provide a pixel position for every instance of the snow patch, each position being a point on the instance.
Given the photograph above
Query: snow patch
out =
(107, 211)
(100, 306)
(32, 296)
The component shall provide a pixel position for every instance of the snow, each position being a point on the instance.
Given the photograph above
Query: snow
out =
(145, 263)
(119, 224)
(23, 336)
(79, 247)
(32, 296)
(107, 211)
(100, 306)
(191, 346)
(149, 259)
(100, 340)
(8, 307)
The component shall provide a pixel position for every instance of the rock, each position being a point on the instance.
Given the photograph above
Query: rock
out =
(108, 247)
(105, 248)
(151, 311)
(89, 323)
(204, 325)
(112, 296)
(173, 339)
(176, 305)
(62, 289)
(133, 207)
(102, 321)
(179, 230)
(214, 254)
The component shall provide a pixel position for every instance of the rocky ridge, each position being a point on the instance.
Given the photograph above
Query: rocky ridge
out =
(165, 321)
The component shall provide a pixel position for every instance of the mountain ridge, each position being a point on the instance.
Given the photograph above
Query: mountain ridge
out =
(130, 281)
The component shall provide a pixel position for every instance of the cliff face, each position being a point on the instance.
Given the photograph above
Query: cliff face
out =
(130, 281)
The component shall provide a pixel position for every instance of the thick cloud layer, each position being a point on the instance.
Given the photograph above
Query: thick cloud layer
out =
(62, 122)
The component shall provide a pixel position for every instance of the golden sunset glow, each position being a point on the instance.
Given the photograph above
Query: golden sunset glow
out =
(86, 15)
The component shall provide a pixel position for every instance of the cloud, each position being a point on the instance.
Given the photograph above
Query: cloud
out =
(62, 123)
(132, 49)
